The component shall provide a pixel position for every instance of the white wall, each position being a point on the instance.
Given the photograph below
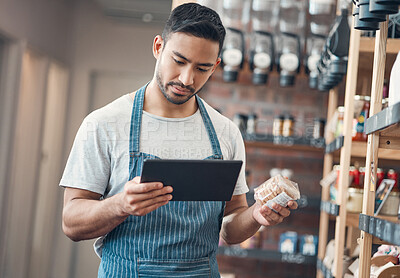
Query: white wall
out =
(45, 24)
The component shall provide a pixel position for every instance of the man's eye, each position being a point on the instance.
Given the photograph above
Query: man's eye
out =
(178, 62)
(202, 70)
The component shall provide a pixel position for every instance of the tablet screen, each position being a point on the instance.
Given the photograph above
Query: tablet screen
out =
(194, 180)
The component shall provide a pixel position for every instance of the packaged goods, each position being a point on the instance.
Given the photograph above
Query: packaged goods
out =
(277, 189)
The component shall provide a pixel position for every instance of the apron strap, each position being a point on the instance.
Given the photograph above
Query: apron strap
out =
(136, 123)
(210, 129)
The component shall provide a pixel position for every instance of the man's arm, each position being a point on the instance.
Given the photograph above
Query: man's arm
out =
(241, 221)
(85, 216)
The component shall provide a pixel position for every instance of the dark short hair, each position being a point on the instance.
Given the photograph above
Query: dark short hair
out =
(196, 20)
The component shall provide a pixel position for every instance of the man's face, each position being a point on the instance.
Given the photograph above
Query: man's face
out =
(184, 64)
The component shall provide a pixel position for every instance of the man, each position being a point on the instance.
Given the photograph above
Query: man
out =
(141, 233)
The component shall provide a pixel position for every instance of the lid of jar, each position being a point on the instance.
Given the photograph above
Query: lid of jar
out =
(394, 194)
(359, 97)
(252, 115)
(259, 78)
(355, 190)
(230, 76)
(289, 117)
(279, 117)
(320, 120)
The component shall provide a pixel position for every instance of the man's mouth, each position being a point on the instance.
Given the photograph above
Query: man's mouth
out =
(180, 91)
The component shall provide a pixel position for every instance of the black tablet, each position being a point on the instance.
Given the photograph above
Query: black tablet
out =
(194, 180)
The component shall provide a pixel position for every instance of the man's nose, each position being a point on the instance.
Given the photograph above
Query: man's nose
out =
(187, 76)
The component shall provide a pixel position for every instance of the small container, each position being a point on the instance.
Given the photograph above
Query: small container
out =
(251, 124)
(241, 121)
(277, 129)
(354, 199)
(391, 205)
(358, 133)
(339, 123)
(288, 124)
(362, 176)
(393, 175)
(380, 175)
(319, 128)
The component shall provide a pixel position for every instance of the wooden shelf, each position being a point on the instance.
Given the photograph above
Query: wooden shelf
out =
(268, 141)
(367, 44)
(266, 255)
(359, 149)
(271, 145)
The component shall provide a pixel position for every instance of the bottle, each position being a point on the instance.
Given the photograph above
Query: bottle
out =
(288, 124)
(288, 58)
(394, 84)
(261, 55)
(315, 45)
(358, 133)
(277, 128)
(232, 54)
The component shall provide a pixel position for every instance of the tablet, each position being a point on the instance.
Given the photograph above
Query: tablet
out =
(194, 180)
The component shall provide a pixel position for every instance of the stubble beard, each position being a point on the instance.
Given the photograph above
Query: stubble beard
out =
(163, 88)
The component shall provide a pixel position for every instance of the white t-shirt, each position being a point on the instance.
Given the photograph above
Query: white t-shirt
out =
(99, 158)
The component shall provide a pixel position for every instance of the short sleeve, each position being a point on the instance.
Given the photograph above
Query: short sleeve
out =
(88, 164)
(239, 153)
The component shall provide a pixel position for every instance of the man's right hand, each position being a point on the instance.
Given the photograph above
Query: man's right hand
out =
(142, 198)
(86, 216)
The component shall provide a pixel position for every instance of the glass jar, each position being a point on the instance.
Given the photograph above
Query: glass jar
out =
(251, 124)
(339, 122)
(277, 129)
(318, 128)
(288, 124)
(358, 133)
(391, 205)
(354, 199)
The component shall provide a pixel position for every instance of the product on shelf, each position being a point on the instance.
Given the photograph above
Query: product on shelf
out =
(241, 121)
(308, 245)
(394, 86)
(361, 111)
(288, 242)
(261, 56)
(387, 201)
(251, 123)
(232, 54)
(277, 129)
(277, 189)
(318, 128)
(288, 126)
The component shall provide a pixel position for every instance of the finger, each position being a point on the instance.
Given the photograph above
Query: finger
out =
(151, 208)
(292, 205)
(150, 202)
(138, 197)
(269, 214)
(136, 188)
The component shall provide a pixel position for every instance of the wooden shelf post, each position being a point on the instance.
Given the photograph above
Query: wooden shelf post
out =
(372, 147)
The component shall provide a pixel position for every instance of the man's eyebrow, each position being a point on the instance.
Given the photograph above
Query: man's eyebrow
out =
(187, 60)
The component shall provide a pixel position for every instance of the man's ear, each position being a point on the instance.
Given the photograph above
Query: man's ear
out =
(216, 64)
(158, 45)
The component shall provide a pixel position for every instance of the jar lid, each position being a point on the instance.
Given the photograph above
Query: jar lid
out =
(355, 190)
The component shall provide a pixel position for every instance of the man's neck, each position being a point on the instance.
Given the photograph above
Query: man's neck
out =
(155, 103)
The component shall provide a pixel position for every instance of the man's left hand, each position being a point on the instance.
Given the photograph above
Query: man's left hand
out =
(267, 217)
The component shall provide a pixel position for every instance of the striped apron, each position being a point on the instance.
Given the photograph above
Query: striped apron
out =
(179, 239)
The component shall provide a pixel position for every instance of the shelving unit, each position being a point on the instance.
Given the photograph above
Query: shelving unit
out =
(383, 129)
(384, 144)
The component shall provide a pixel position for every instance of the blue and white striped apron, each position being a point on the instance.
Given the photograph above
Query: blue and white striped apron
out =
(179, 239)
